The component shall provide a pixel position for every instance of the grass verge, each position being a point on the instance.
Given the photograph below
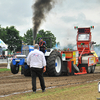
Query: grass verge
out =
(97, 64)
(4, 69)
(79, 92)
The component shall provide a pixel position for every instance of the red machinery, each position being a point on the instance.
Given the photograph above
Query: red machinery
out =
(83, 60)
(86, 60)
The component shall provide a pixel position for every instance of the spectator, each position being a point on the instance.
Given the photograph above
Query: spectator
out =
(3, 54)
(36, 61)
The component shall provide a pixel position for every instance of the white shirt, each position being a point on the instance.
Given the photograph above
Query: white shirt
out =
(36, 59)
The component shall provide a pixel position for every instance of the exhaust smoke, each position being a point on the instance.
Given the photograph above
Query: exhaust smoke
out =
(40, 10)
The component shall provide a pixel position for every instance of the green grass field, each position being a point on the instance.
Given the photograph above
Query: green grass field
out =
(79, 92)
(97, 64)
(4, 69)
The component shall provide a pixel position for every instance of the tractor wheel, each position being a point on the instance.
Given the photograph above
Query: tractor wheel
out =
(92, 69)
(54, 64)
(89, 69)
(22, 69)
(14, 68)
(26, 70)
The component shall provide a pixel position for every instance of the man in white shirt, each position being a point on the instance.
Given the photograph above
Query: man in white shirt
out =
(37, 63)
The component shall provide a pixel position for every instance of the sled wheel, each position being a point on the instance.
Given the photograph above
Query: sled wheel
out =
(89, 69)
(92, 69)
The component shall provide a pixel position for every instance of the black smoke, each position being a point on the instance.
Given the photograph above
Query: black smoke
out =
(40, 11)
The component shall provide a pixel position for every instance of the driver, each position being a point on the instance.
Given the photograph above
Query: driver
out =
(42, 45)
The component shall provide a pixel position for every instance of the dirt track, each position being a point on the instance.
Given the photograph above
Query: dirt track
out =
(10, 83)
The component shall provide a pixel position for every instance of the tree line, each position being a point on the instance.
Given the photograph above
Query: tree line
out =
(11, 37)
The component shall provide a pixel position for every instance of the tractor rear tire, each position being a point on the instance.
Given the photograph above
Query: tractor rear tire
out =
(22, 69)
(26, 69)
(92, 69)
(14, 68)
(54, 64)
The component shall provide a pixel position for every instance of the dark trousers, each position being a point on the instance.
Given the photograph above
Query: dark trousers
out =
(42, 49)
(34, 73)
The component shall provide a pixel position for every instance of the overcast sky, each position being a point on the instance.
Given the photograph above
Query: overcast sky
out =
(60, 20)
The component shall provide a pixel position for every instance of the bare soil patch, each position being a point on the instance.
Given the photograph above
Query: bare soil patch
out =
(3, 65)
(10, 83)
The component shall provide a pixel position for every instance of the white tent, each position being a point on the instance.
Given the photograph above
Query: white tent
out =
(3, 45)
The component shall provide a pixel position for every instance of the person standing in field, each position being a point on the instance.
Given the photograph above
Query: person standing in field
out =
(36, 61)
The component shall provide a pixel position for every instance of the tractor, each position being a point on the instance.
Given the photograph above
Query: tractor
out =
(59, 62)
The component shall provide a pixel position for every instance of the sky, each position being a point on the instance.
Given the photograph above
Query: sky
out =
(60, 20)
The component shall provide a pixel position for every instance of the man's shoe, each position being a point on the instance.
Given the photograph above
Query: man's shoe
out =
(34, 91)
(43, 90)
